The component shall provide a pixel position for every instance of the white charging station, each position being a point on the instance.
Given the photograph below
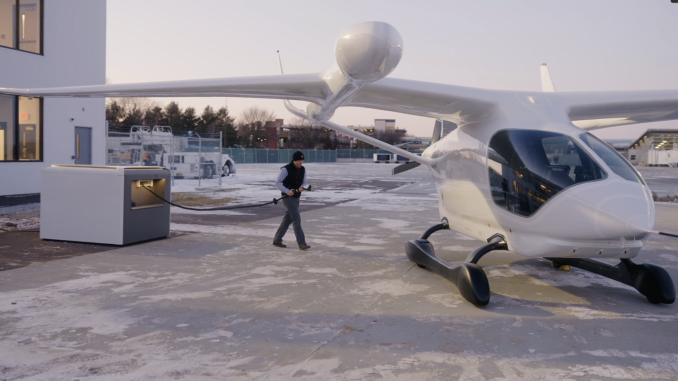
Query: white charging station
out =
(100, 204)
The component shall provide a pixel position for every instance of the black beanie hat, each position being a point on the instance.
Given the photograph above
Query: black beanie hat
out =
(298, 156)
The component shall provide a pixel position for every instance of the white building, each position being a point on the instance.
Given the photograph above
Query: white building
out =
(384, 125)
(47, 44)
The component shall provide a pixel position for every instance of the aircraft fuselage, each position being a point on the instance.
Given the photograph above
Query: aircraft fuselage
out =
(596, 214)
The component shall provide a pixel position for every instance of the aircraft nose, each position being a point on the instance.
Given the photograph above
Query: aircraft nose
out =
(611, 208)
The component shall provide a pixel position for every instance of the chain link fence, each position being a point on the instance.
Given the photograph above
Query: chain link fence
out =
(358, 153)
(202, 158)
(265, 155)
(198, 156)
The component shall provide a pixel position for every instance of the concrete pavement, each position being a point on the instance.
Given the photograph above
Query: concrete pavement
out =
(223, 303)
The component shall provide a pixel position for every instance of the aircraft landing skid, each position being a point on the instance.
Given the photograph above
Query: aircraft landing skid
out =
(469, 278)
(650, 280)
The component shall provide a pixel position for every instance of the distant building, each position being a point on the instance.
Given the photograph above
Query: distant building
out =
(272, 133)
(654, 147)
(621, 145)
(416, 144)
(380, 126)
(424, 140)
(384, 125)
(279, 135)
(367, 130)
(343, 141)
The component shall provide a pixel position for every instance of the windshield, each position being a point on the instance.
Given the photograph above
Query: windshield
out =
(612, 158)
(527, 168)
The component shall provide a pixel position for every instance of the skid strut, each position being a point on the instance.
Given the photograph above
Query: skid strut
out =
(469, 278)
(650, 280)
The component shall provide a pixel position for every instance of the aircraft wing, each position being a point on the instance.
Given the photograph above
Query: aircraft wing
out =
(455, 103)
(302, 87)
(458, 104)
(593, 110)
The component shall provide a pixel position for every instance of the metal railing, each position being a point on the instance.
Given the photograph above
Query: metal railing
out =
(185, 156)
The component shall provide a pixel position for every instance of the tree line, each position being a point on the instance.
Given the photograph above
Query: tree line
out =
(249, 130)
(122, 113)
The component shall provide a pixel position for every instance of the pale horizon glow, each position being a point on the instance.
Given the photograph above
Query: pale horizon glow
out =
(605, 45)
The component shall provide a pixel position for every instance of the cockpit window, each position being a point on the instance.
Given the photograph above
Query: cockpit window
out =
(612, 158)
(527, 168)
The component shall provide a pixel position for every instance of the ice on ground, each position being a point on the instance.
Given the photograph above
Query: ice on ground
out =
(547, 276)
(225, 230)
(10, 222)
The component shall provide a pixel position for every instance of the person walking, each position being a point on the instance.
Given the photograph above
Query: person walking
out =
(292, 182)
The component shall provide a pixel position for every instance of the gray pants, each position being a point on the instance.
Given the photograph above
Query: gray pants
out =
(292, 216)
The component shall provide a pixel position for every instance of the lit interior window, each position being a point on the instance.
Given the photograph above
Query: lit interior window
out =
(30, 25)
(7, 123)
(8, 23)
(30, 146)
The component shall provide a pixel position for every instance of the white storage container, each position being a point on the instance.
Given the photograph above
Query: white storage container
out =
(106, 205)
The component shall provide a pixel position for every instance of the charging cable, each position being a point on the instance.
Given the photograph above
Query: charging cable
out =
(275, 201)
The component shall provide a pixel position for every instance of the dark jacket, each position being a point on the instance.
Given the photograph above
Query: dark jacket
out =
(295, 178)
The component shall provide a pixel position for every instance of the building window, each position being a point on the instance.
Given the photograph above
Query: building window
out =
(20, 128)
(21, 29)
(633, 157)
(7, 127)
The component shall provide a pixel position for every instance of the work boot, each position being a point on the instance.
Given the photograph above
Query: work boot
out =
(304, 247)
(279, 244)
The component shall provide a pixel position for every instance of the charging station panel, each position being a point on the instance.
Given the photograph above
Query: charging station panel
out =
(102, 204)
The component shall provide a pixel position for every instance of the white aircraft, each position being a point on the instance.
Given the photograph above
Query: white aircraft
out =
(521, 172)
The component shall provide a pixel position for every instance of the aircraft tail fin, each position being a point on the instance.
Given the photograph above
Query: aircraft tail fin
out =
(437, 131)
(546, 81)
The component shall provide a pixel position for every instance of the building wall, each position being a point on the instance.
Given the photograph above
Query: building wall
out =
(74, 53)
(384, 124)
(271, 134)
(272, 131)
(636, 156)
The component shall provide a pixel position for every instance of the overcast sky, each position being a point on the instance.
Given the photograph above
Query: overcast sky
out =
(588, 45)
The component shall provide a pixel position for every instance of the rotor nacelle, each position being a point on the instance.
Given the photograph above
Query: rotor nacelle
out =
(369, 51)
(365, 53)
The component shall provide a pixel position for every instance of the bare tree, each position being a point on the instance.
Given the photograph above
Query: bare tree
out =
(303, 134)
(135, 103)
(386, 136)
(389, 136)
(251, 125)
